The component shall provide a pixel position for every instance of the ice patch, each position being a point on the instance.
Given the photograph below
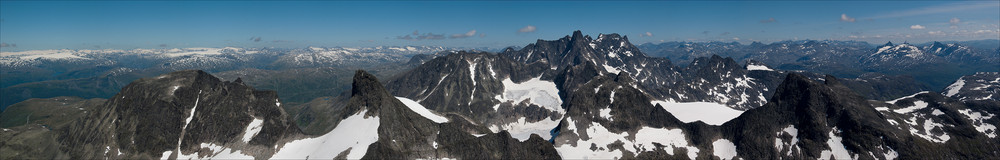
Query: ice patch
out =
(710, 113)
(423, 111)
(724, 149)
(355, 132)
(252, 129)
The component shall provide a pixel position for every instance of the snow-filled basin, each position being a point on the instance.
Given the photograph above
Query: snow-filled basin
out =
(708, 112)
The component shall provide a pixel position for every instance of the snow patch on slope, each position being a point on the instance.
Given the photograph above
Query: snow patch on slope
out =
(355, 132)
(916, 106)
(252, 129)
(979, 120)
(758, 67)
(927, 127)
(710, 113)
(724, 149)
(535, 91)
(955, 87)
(611, 69)
(522, 129)
(606, 113)
(791, 146)
(216, 152)
(837, 149)
(423, 111)
(540, 92)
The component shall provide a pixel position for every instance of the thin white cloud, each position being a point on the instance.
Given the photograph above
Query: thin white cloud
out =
(736, 38)
(917, 27)
(769, 20)
(416, 36)
(527, 29)
(466, 35)
(845, 18)
(954, 22)
(647, 34)
(954, 7)
(940, 33)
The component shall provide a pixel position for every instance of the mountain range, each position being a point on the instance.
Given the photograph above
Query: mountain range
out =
(576, 97)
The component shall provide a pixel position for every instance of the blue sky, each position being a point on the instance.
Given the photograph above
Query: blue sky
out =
(161, 24)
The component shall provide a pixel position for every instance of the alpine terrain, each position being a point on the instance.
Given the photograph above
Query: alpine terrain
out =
(576, 97)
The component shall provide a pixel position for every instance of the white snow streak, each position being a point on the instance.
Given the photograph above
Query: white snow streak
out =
(910, 96)
(252, 129)
(955, 87)
(758, 67)
(423, 111)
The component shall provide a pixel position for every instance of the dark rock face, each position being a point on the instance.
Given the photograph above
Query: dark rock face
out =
(712, 79)
(601, 95)
(805, 119)
(193, 114)
(405, 134)
(177, 112)
(821, 111)
(471, 85)
(29, 127)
